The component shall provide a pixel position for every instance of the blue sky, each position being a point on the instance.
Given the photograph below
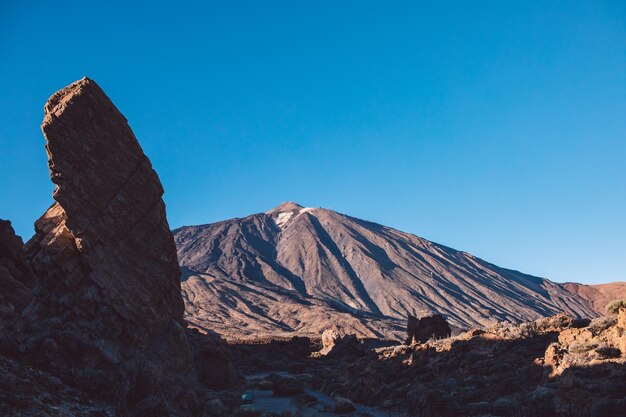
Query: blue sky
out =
(497, 128)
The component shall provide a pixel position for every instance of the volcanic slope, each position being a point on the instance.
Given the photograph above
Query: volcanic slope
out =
(297, 270)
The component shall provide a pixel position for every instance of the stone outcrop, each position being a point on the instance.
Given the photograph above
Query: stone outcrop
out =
(604, 339)
(16, 276)
(335, 344)
(330, 337)
(422, 329)
(107, 312)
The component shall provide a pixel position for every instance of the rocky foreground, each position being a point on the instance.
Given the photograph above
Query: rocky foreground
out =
(557, 366)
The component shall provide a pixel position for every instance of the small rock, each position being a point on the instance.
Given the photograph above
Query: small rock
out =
(343, 406)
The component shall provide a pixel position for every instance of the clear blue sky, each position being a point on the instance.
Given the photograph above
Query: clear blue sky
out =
(498, 128)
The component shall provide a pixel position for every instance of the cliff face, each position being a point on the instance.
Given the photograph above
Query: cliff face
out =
(107, 311)
(297, 269)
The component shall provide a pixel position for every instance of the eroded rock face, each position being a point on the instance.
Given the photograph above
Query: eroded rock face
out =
(107, 310)
(422, 329)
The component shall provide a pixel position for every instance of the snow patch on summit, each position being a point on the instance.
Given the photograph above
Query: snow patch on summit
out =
(281, 218)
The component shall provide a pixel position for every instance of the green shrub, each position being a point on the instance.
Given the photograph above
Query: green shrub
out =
(614, 306)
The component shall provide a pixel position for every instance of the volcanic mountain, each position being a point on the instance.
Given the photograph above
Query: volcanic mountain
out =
(298, 270)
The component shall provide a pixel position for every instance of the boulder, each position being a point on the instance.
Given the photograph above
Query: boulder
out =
(329, 338)
(334, 344)
(213, 361)
(343, 405)
(422, 329)
(107, 313)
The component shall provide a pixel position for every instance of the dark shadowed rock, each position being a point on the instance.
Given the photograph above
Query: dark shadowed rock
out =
(16, 280)
(16, 276)
(425, 328)
(213, 361)
(107, 314)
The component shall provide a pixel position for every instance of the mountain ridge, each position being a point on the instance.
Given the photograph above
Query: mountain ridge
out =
(342, 264)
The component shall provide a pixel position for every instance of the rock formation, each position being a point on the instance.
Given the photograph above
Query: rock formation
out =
(330, 337)
(302, 267)
(425, 328)
(334, 344)
(107, 312)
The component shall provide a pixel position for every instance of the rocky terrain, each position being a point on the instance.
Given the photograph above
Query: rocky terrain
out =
(598, 295)
(553, 366)
(293, 269)
(557, 366)
(94, 320)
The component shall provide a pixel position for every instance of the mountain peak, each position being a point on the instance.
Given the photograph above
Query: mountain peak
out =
(286, 206)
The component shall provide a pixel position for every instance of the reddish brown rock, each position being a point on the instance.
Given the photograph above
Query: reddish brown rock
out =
(107, 313)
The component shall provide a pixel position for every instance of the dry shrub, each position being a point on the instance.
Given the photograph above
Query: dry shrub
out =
(614, 306)
(582, 347)
(600, 324)
(528, 330)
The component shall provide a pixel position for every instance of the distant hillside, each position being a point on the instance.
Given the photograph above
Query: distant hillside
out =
(297, 269)
(598, 295)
